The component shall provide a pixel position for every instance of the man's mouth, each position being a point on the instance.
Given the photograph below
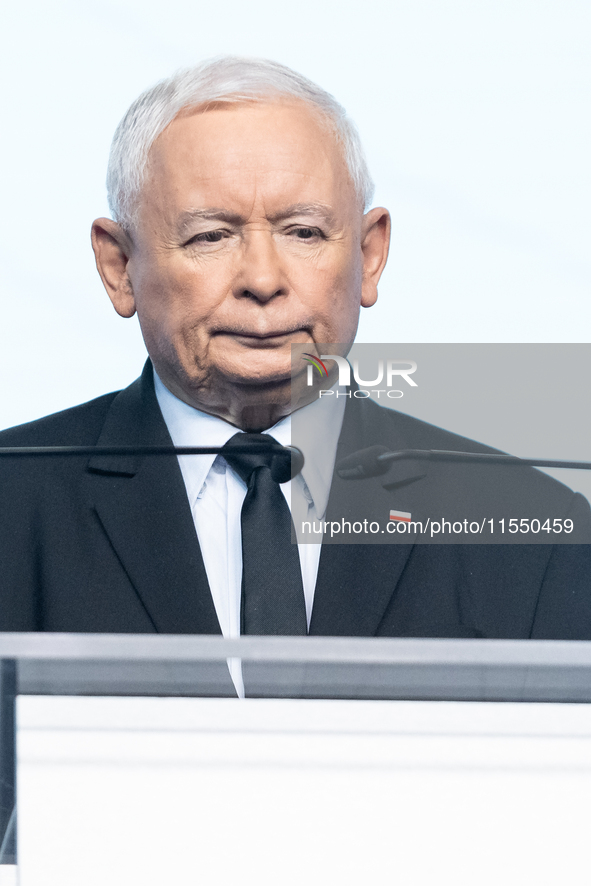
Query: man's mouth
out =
(269, 339)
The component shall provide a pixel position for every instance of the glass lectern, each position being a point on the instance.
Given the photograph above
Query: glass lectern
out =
(130, 759)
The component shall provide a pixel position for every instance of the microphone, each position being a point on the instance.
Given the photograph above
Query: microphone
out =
(376, 460)
(286, 464)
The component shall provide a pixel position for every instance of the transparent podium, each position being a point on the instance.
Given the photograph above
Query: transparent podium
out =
(130, 759)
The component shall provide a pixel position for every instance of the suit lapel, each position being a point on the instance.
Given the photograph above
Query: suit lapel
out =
(142, 506)
(357, 581)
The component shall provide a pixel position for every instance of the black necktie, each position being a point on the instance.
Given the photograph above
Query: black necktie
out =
(272, 590)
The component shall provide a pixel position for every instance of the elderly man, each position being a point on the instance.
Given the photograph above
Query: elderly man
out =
(238, 190)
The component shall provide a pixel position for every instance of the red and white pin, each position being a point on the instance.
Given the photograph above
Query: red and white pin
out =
(401, 516)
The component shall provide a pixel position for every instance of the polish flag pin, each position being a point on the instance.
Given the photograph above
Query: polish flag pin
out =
(400, 515)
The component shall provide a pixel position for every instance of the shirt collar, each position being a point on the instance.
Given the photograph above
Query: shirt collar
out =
(318, 427)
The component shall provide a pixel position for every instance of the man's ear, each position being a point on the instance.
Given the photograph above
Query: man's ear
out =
(375, 243)
(112, 247)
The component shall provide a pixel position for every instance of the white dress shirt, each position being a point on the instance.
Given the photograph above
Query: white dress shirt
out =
(216, 492)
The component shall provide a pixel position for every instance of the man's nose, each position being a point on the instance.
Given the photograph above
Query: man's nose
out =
(261, 275)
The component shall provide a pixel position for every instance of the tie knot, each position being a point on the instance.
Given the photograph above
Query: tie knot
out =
(282, 461)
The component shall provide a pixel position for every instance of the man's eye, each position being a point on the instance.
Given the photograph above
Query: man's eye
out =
(306, 233)
(207, 237)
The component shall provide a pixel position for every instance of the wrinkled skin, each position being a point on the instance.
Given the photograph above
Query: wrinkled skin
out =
(249, 238)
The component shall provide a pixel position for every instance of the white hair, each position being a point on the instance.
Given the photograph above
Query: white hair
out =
(224, 79)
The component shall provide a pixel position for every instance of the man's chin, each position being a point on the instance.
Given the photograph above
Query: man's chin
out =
(260, 382)
(262, 371)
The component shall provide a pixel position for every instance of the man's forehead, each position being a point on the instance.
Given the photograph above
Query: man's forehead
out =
(248, 137)
(210, 163)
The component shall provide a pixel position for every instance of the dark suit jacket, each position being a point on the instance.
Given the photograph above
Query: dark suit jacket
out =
(109, 545)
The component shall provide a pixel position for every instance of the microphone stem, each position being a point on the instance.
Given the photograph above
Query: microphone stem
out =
(49, 451)
(481, 457)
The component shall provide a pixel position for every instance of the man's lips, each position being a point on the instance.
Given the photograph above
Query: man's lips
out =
(262, 339)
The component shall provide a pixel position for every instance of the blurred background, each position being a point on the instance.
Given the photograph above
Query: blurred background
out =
(475, 118)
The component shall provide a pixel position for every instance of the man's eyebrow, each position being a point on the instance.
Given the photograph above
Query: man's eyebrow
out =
(305, 209)
(309, 210)
(213, 214)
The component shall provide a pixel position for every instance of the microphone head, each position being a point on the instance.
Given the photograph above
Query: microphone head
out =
(363, 464)
(287, 464)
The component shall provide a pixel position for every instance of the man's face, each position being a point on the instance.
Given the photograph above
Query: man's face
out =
(249, 238)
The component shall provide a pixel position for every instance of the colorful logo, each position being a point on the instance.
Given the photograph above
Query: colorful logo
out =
(316, 362)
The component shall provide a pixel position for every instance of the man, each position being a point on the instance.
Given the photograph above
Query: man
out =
(238, 190)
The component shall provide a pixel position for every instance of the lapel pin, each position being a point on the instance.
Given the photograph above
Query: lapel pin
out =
(400, 515)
